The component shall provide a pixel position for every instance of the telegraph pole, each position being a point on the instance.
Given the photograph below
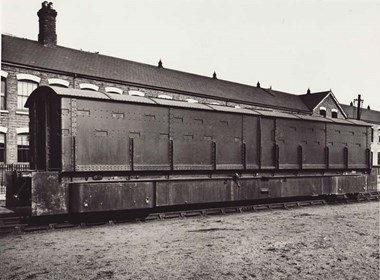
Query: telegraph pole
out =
(359, 101)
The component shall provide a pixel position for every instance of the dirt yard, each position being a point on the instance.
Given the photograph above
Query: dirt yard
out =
(329, 242)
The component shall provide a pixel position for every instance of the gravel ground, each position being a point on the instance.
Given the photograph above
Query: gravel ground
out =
(328, 242)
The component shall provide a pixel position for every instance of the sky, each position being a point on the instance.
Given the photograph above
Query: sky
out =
(288, 45)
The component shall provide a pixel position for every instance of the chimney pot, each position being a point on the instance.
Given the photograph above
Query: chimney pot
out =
(308, 91)
(160, 64)
(214, 75)
(258, 84)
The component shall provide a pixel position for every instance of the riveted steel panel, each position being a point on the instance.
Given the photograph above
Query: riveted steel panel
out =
(301, 186)
(149, 128)
(110, 196)
(357, 146)
(350, 138)
(336, 142)
(105, 130)
(267, 143)
(97, 167)
(301, 143)
(228, 132)
(288, 134)
(101, 140)
(206, 191)
(251, 140)
(49, 194)
(313, 145)
(349, 183)
(191, 192)
(194, 132)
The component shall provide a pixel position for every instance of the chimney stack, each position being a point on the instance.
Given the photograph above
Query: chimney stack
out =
(47, 15)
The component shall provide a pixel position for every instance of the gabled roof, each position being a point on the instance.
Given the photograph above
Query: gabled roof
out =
(370, 116)
(312, 100)
(33, 54)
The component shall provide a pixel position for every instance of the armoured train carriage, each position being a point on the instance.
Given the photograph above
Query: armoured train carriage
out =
(93, 151)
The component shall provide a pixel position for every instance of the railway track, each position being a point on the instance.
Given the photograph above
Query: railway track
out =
(13, 224)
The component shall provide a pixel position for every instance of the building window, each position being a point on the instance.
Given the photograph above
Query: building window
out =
(334, 113)
(2, 147)
(3, 99)
(378, 158)
(23, 147)
(322, 111)
(24, 89)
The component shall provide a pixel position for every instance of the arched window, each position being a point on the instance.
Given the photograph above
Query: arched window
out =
(23, 147)
(25, 85)
(322, 111)
(2, 147)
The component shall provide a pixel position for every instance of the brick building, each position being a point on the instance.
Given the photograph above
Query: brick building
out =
(372, 117)
(27, 64)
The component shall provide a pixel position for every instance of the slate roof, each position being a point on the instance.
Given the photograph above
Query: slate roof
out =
(313, 99)
(370, 116)
(31, 53)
